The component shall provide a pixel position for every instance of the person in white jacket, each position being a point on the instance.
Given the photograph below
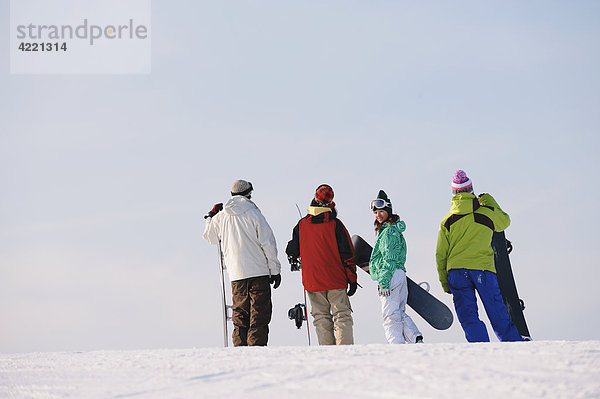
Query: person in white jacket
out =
(250, 257)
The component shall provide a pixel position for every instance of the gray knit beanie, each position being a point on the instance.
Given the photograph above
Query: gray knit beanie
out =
(241, 187)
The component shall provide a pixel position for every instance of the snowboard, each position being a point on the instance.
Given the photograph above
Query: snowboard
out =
(431, 309)
(506, 282)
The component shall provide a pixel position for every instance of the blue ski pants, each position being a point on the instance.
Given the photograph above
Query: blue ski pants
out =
(463, 284)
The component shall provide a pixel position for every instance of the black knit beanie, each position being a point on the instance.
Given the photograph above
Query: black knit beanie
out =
(382, 195)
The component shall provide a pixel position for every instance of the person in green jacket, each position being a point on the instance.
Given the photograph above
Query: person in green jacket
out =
(386, 266)
(465, 261)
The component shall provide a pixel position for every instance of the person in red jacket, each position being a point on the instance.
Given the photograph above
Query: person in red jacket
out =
(320, 240)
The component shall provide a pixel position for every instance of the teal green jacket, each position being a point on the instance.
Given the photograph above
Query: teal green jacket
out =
(465, 235)
(389, 253)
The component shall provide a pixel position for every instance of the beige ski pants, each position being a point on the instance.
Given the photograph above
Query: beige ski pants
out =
(332, 316)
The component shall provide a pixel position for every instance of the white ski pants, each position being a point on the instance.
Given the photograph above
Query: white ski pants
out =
(399, 327)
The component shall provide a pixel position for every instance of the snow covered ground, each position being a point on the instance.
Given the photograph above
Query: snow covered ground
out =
(545, 369)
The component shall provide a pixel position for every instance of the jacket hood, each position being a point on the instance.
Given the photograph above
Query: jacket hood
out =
(320, 214)
(399, 224)
(317, 210)
(462, 203)
(238, 205)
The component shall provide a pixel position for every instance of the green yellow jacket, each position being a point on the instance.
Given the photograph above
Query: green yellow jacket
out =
(388, 254)
(465, 235)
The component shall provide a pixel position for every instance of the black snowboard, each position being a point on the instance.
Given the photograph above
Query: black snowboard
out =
(506, 282)
(431, 309)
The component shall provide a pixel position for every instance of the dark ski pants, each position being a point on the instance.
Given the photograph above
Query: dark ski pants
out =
(252, 309)
(463, 284)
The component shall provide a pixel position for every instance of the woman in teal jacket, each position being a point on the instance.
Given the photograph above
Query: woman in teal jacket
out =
(386, 266)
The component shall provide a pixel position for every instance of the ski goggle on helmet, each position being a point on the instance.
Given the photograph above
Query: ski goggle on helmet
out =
(379, 204)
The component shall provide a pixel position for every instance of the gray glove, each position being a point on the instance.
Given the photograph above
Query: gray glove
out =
(383, 291)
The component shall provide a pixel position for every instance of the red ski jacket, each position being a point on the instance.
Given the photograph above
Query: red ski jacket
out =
(323, 244)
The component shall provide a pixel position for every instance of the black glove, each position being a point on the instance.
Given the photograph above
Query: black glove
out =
(275, 279)
(215, 209)
(509, 247)
(352, 289)
(294, 263)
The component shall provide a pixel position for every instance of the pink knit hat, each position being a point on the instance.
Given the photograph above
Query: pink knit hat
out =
(461, 183)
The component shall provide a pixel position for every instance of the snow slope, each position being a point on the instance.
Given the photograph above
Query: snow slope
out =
(545, 369)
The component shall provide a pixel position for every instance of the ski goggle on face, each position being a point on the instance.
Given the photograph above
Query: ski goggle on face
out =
(379, 204)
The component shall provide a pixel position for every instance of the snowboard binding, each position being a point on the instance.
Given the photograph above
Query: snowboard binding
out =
(298, 314)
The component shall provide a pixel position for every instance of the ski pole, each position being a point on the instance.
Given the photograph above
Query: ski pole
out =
(225, 316)
(307, 321)
(305, 303)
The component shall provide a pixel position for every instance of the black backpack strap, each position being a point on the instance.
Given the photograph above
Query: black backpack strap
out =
(479, 218)
(452, 219)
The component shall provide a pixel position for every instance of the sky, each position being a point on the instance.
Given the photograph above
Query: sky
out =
(107, 177)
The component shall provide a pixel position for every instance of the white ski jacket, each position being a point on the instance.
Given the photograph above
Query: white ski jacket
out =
(247, 241)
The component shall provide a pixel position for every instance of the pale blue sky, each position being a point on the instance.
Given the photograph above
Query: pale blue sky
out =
(106, 178)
